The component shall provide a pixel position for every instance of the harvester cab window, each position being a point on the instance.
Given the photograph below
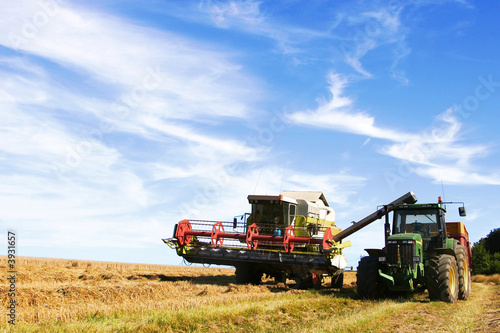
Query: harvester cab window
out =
(267, 216)
(289, 213)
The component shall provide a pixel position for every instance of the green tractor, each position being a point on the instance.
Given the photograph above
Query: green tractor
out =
(423, 252)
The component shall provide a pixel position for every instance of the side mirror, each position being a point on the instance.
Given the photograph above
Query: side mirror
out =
(461, 211)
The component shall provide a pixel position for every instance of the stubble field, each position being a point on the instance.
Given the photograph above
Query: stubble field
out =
(88, 296)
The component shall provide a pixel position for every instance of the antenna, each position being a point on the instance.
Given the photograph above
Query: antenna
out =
(282, 177)
(258, 179)
(442, 189)
(267, 179)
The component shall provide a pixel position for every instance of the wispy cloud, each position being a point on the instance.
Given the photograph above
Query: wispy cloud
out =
(187, 75)
(224, 14)
(101, 118)
(248, 16)
(74, 87)
(353, 30)
(370, 28)
(435, 152)
(338, 113)
(439, 154)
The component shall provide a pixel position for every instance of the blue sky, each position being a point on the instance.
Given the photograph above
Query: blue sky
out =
(120, 118)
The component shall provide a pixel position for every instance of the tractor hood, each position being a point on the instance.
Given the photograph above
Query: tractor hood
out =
(405, 237)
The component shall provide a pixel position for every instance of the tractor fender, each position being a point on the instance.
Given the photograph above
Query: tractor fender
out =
(451, 252)
(452, 243)
(375, 252)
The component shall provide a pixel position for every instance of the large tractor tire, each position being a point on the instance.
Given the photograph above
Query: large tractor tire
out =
(248, 273)
(368, 280)
(464, 274)
(442, 278)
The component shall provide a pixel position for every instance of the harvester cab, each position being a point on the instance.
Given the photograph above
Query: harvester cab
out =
(307, 213)
(422, 251)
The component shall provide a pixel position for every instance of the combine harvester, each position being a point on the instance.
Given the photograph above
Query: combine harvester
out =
(292, 235)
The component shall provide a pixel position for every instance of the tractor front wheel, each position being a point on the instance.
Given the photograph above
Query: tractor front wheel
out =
(368, 280)
(442, 278)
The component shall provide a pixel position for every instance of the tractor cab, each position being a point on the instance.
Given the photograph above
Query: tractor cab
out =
(427, 220)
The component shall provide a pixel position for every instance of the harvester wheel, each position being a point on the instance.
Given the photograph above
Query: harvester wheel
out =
(280, 277)
(304, 281)
(368, 280)
(442, 278)
(247, 273)
(317, 280)
(338, 280)
(464, 274)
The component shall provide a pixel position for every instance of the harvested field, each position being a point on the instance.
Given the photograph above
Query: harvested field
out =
(77, 296)
(68, 290)
(494, 279)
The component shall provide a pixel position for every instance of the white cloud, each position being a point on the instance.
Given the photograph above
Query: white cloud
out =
(371, 29)
(84, 80)
(246, 16)
(175, 73)
(226, 13)
(338, 113)
(434, 153)
(439, 154)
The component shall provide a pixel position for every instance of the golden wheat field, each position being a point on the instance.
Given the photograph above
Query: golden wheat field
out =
(67, 290)
(87, 296)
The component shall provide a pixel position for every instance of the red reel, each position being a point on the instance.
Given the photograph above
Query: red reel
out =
(289, 233)
(252, 231)
(217, 229)
(180, 234)
(327, 239)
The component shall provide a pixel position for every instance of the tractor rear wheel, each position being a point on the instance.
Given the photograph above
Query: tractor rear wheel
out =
(464, 274)
(442, 278)
(248, 273)
(368, 280)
